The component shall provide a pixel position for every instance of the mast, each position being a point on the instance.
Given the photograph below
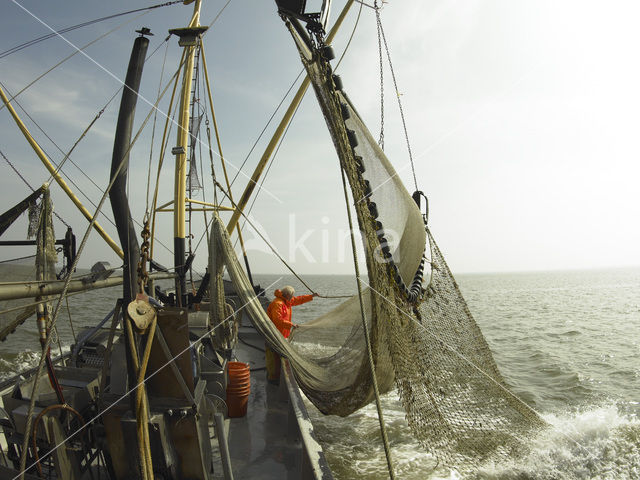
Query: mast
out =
(189, 38)
(257, 173)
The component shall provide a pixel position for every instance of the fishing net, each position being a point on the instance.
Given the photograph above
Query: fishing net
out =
(423, 338)
(41, 266)
(193, 182)
(14, 312)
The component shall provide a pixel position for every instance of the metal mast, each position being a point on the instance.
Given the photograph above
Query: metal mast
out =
(189, 38)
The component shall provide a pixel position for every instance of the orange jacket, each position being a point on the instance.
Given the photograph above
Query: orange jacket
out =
(279, 311)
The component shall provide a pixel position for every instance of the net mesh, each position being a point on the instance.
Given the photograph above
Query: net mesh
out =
(427, 345)
(41, 266)
(14, 312)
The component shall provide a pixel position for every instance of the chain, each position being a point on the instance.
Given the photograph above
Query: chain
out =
(395, 86)
(143, 275)
(379, 26)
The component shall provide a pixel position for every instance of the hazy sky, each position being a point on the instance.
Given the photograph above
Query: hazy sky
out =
(522, 117)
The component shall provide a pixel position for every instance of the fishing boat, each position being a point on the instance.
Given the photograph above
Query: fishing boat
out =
(159, 387)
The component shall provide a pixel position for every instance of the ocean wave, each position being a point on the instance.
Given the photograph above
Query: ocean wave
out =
(598, 443)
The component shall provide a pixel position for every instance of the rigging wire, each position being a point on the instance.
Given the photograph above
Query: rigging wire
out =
(40, 302)
(62, 151)
(155, 117)
(54, 318)
(264, 177)
(135, 387)
(366, 4)
(395, 86)
(214, 20)
(204, 193)
(75, 52)
(271, 162)
(34, 41)
(218, 15)
(30, 187)
(58, 168)
(272, 248)
(68, 154)
(266, 126)
(98, 115)
(87, 56)
(353, 31)
(381, 139)
(171, 123)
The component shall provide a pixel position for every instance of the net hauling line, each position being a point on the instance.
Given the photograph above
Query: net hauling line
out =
(272, 248)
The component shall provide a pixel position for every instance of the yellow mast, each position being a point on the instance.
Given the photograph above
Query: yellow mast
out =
(189, 38)
(54, 173)
(251, 185)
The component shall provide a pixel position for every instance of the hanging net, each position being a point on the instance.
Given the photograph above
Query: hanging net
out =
(424, 340)
(41, 266)
(193, 182)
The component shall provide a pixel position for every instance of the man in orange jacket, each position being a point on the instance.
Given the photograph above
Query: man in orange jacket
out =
(279, 311)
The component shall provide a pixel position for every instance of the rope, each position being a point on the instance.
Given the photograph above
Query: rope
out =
(149, 377)
(58, 341)
(372, 368)
(142, 414)
(37, 422)
(23, 457)
(73, 331)
(395, 85)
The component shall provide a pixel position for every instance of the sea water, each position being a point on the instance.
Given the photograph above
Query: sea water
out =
(567, 343)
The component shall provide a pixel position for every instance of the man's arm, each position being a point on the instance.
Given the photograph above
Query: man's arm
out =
(299, 300)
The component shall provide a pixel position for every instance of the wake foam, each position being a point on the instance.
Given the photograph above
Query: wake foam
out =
(599, 443)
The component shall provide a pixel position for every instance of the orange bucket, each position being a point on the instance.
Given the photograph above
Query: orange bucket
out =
(238, 388)
(237, 405)
(238, 370)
